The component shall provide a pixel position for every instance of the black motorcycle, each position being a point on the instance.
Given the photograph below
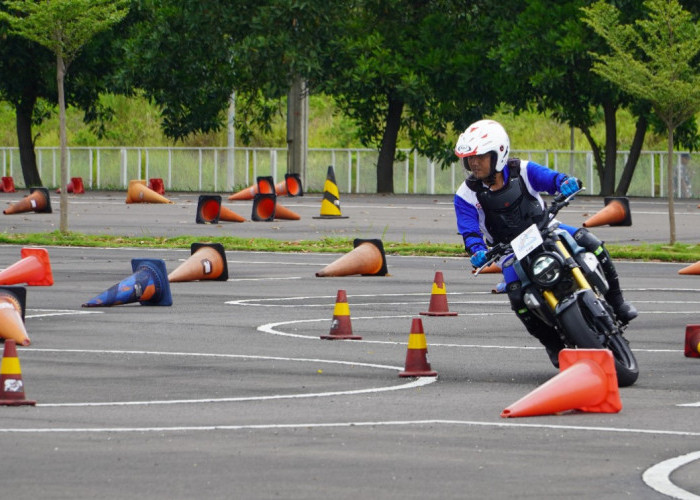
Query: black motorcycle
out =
(564, 285)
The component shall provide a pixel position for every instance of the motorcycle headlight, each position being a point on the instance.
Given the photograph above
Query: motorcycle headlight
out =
(546, 269)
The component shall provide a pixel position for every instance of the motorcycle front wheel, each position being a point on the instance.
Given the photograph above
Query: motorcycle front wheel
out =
(581, 334)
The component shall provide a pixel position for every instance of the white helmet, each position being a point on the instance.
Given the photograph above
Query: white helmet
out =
(483, 137)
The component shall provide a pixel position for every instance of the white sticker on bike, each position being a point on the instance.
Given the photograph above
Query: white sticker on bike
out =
(526, 242)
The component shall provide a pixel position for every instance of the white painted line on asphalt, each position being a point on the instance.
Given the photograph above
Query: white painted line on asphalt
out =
(658, 477)
(56, 312)
(417, 382)
(691, 405)
(266, 279)
(321, 425)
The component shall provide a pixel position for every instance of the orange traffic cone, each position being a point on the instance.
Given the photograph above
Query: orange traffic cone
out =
(7, 185)
(12, 304)
(691, 269)
(284, 213)
(75, 186)
(148, 285)
(229, 215)
(156, 184)
(587, 382)
(341, 327)
(692, 341)
(38, 201)
(245, 194)
(138, 192)
(416, 355)
(34, 269)
(264, 205)
(207, 262)
(615, 213)
(281, 188)
(208, 209)
(490, 269)
(293, 185)
(330, 204)
(438, 299)
(11, 384)
(367, 258)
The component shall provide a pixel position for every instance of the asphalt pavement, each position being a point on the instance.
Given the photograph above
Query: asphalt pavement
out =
(230, 392)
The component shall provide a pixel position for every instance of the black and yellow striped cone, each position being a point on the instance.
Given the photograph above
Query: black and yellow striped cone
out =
(330, 205)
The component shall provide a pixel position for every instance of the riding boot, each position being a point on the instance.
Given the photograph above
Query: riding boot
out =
(535, 327)
(624, 311)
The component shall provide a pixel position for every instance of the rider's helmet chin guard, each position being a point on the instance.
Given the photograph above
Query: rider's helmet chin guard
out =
(481, 137)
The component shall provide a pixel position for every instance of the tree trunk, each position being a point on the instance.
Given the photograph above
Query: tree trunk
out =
(385, 162)
(669, 187)
(60, 76)
(607, 183)
(635, 150)
(27, 156)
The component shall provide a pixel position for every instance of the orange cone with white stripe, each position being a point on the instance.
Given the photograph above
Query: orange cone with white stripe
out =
(341, 327)
(11, 384)
(37, 201)
(34, 269)
(692, 341)
(367, 258)
(438, 299)
(416, 355)
(12, 305)
(207, 262)
(691, 269)
(138, 192)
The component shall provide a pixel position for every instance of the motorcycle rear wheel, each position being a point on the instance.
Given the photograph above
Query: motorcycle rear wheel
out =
(581, 334)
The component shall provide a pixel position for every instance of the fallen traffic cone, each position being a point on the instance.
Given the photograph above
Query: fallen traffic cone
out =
(7, 185)
(208, 209)
(38, 201)
(281, 188)
(75, 186)
(148, 285)
(438, 299)
(138, 192)
(293, 185)
(245, 194)
(284, 213)
(367, 258)
(12, 304)
(264, 205)
(11, 384)
(156, 184)
(330, 204)
(341, 327)
(691, 269)
(206, 262)
(416, 355)
(692, 341)
(615, 213)
(34, 269)
(587, 382)
(229, 215)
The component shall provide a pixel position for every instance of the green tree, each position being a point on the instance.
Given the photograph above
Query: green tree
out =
(654, 58)
(63, 27)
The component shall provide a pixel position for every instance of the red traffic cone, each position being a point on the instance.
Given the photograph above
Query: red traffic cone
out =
(34, 269)
(264, 205)
(438, 299)
(692, 341)
(208, 209)
(330, 204)
(207, 262)
(587, 382)
(615, 213)
(691, 269)
(148, 285)
(11, 384)
(341, 327)
(7, 185)
(416, 355)
(12, 304)
(367, 258)
(38, 201)
(293, 185)
(156, 184)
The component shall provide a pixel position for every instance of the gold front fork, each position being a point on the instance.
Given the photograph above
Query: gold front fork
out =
(580, 279)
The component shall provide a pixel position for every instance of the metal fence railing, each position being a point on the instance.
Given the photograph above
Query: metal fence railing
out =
(225, 170)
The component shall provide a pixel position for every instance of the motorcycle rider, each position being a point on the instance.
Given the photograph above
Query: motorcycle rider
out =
(500, 199)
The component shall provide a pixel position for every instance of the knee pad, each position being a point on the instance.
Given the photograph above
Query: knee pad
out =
(515, 295)
(588, 240)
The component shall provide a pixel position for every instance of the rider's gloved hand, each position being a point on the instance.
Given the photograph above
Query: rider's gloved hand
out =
(479, 258)
(569, 186)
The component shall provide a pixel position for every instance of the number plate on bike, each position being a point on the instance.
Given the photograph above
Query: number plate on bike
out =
(526, 242)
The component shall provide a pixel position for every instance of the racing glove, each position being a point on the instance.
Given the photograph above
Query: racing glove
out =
(569, 186)
(479, 258)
